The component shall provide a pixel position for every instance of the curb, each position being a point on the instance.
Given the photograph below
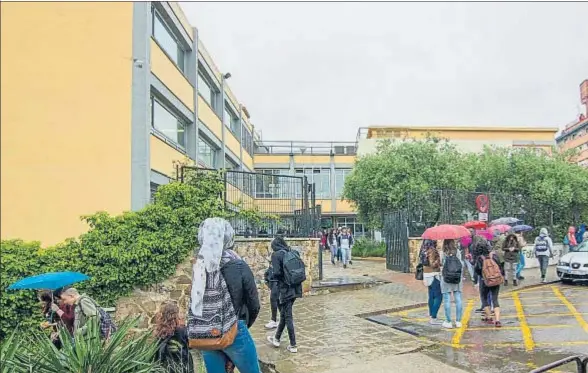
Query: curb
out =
(391, 310)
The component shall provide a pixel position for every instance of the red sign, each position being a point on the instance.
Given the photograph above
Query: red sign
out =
(584, 92)
(483, 203)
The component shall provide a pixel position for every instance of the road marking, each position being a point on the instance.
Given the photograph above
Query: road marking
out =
(456, 340)
(525, 330)
(572, 308)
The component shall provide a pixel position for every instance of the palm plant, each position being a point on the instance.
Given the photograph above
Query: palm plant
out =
(123, 352)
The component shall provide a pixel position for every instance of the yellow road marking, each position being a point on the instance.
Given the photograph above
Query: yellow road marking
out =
(525, 330)
(572, 308)
(455, 341)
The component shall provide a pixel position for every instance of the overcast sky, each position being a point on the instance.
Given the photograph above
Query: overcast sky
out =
(319, 71)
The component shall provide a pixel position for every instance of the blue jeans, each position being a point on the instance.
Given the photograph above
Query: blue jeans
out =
(435, 298)
(242, 353)
(521, 265)
(458, 306)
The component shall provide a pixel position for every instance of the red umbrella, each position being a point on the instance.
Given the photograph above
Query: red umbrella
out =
(446, 232)
(475, 224)
(501, 227)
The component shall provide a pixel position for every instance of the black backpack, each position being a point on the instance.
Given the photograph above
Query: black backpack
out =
(174, 356)
(452, 270)
(294, 268)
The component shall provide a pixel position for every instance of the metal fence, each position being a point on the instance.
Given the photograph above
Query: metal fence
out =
(266, 204)
(457, 207)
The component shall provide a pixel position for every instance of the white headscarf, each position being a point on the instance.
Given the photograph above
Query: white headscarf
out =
(214, 236)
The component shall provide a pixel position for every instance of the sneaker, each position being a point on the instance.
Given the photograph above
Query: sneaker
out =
(480, 310)
(457, 324)
(332, 261)
(505, 282)
(521, 278)
(543, 280)
(344, 265)
(515, 283)
(498, 324)
(447, 325)
(273, 341)
(433, 321)
(271, 325)
(292, 349)
(350, 262)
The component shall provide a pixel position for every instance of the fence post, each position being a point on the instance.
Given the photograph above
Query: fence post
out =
(225, 188)
(305, 213)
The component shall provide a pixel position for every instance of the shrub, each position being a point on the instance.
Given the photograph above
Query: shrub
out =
(366, 247)
(120, 253)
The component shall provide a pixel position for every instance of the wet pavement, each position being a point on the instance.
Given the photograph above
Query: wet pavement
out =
(385, 326)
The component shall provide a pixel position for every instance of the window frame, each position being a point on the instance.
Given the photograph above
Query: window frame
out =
(179, 120)
(156, 14)
(215, 91)
(214, 151)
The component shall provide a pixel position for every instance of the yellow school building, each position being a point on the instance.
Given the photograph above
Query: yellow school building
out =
(100, 99)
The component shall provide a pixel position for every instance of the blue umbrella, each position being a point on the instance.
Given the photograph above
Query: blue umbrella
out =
(50, 281)
(506, 221)
(522, 228)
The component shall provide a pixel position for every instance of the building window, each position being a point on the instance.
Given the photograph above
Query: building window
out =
(340, 176)
(208, 91)
(320, 177)
(272, 183)
(164, 121)
(357, 229)
(247, 140)
(231, 120)
(168, 41)
(206, 152)
(153, 189)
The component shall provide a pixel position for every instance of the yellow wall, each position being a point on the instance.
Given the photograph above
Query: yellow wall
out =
(273, 159)
(163, 157)
(345, 206)
(66, 115)
(467, 134)
(209, 118)
(311, 159)
(169, 74)
(247, 160)
(232, 143)
(344, 159)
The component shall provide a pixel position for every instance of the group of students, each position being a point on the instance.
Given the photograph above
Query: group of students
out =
(340, 243)
(224, 304)
(491, 264)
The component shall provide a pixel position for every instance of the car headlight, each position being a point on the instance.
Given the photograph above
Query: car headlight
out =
(563, 264)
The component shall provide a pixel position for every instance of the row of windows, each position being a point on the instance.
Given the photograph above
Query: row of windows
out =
(172, 128)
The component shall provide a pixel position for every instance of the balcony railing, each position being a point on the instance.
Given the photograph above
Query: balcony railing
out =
(306, 147)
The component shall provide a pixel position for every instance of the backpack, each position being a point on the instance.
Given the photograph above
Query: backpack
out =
(217, 327)
(106, 324)
(294, 268)
(541, 245)
(491, 272)
(452, 270)
(174, 356)
(423, 257)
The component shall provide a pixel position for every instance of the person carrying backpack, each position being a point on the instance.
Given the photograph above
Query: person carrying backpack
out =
(172, 339)
(431, 261)
(543, 251)
(345, 242)
(452, 283)
(87, 309)
(491, 277)
(289, 271)
(224, 302)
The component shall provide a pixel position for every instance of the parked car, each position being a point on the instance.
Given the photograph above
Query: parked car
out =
(574, 265)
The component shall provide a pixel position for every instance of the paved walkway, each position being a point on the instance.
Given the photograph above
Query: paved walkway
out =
(332, 337)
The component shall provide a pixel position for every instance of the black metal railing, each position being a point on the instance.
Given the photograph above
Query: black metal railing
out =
(306, 147)
(263, 205)
(580, 361)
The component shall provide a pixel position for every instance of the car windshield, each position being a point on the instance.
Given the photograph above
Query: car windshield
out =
(583, 247)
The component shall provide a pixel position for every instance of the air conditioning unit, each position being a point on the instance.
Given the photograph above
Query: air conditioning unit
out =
(350, 150)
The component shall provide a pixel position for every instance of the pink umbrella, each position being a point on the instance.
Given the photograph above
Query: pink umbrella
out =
(446, 232)
(465, 241)
(485, 233)
(501, 227)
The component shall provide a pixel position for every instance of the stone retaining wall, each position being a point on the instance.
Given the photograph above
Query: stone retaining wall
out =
(255, 251)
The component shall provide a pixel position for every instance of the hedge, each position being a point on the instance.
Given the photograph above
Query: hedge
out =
(120, 253)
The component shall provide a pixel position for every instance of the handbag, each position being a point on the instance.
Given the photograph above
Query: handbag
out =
(419, 274)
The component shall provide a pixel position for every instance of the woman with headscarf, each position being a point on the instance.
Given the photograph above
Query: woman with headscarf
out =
(216, 258)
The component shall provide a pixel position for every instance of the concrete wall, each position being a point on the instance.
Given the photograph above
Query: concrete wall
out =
(66, 116)
(254, 251)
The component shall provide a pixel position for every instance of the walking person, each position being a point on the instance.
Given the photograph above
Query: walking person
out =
(286, 272)
(479, 245)
(511, 248)
(452, 283)
(223, 297)
(430, 259)
(272, 284)
(522, 260)
(491, 277)
(332, 242)
(543, 251)
(172, 339)
(345, 242)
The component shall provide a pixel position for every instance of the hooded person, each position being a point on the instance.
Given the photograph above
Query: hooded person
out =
(287, 294)
(216, 260)
(543, 251)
